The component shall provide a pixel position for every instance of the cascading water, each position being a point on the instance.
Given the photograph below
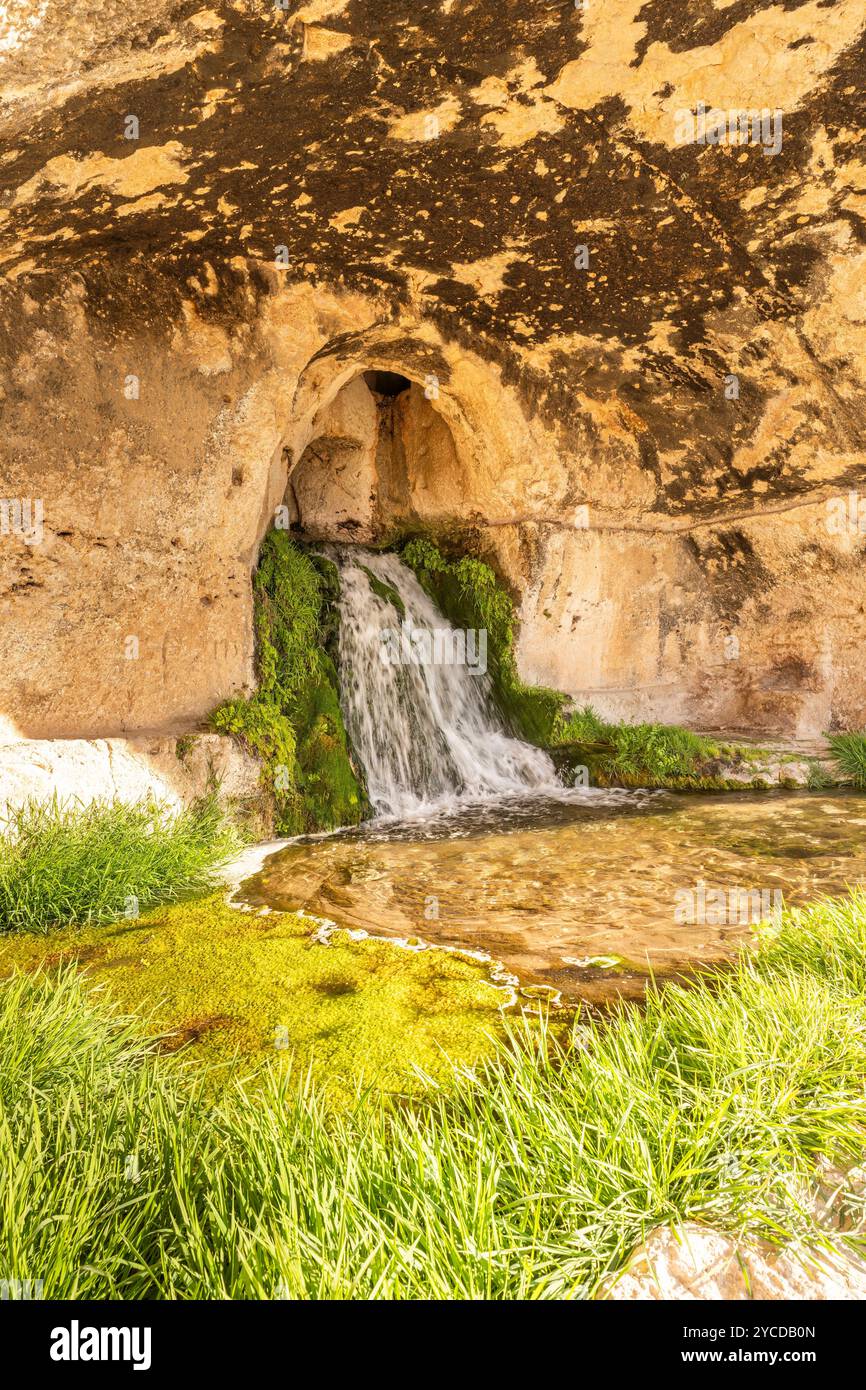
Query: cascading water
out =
(422, 722)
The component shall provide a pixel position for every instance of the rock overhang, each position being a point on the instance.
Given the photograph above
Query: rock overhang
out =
(493, 199)
(456, 156)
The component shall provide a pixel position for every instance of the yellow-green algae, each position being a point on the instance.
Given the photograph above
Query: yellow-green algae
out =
(241, 985)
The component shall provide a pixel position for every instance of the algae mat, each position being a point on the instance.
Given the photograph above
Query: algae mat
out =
(220, 984)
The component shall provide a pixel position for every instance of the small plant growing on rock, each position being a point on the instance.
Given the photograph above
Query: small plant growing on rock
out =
(849, 753)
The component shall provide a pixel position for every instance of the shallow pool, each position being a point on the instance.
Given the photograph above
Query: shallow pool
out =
(587, 892)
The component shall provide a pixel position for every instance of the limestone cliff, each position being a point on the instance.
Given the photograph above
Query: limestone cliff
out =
(638, 354)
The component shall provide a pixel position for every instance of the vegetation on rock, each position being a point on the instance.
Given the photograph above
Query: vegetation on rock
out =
(646, 755)
(293, 721)
(849, 754)
(386, 592)
(469, 594)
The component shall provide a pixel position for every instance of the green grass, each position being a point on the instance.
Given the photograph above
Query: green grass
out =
(534, 1176)
(645, 754)
(849, 754)
(63, 863)
(293, 721)
(819, 779)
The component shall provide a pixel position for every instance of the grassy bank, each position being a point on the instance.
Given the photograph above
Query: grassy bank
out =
(63, 863)
(110, 889)
(848, 752)
(646, 755)
(293, 721)
(534, 1175)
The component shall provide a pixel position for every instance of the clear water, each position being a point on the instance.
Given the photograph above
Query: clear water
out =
(581, 892)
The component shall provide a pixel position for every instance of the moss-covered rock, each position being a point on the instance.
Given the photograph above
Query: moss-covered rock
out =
(386, 592)
(468, 593)
(293, 722)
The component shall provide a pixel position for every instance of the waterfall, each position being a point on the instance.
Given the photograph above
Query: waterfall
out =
(417, 700)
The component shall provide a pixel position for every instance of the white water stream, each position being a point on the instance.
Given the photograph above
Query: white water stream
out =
(423, 724)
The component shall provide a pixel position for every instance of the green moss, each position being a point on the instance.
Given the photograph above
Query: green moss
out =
(238, 984)
(293, 722)
(185, 745)
(386, 592)
(469, 594)
(633, 755)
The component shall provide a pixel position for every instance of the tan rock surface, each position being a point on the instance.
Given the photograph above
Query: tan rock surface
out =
(305, 195)
(126, 770)
(695, 1262)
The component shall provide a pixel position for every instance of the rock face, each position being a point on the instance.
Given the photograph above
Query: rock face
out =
(696, 1262)
(173, 771)
(637, 348)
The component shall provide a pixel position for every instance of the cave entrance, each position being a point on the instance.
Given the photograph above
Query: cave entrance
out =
(387, 384)
(381, 458)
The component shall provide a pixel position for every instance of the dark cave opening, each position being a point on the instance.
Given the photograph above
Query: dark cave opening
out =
(386, 383)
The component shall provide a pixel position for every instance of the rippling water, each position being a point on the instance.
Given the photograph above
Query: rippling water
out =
(587, 891)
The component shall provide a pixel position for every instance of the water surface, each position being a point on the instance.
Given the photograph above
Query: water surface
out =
(586, 892)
